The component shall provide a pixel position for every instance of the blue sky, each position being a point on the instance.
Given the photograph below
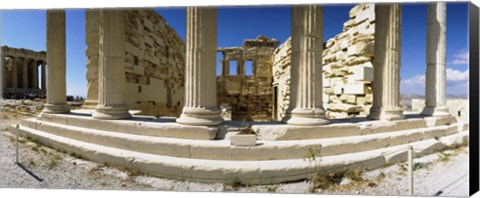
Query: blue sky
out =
(26, 29)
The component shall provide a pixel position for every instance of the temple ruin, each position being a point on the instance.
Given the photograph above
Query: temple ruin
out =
(154, 63)
(136, 61)
(20, 72)
(247, 96)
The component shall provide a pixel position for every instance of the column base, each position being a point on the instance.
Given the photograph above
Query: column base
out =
(306, 117)
(435, 111)
(396, 114)
(55, 108)
(89, 104)
(200, 117)
(116, 112)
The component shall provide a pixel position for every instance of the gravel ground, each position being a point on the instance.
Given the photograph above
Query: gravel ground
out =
(446, 172)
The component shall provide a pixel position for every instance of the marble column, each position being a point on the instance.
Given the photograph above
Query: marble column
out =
(3, 74)
(44, 76)
(436, 82)
(306, 105)
(201, 106)
(15, 62)
(225, 65)
(25, 73)
(56, 58)
(386, 83)
(111, 104)
(34, 74)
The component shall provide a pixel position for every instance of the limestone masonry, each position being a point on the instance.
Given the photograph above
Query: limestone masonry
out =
(155, 58)
(154, 63)
(247, 96)
(347, 68)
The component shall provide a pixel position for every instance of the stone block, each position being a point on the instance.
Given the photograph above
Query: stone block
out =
(361, 49)
(148, 25)
(336, 81)
(355, 89)
(338, 89)
(138, 70)
(360, 73)
(148, 41)
(367, 15)
(243, 140)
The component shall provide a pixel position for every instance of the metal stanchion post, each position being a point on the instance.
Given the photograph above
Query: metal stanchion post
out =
(16, 144)
(410, 170)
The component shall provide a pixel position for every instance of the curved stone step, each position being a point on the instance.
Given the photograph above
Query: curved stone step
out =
(248, 172)
(140, 125)
(346, 127)
(222, 150)
(269, 131)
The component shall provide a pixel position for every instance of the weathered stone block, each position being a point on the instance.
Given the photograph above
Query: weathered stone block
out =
(243, 140)
(356, 89)
(360, 73)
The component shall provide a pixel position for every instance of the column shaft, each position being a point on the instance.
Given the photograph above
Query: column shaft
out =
(306, 105)
(436, 84)
(111, 104)
(386, 83)
(225, 65)
(15, 73)
(56, 58)
(34, 75)
(25, 74)
(44, 76)
(3, 74)
(201, 106)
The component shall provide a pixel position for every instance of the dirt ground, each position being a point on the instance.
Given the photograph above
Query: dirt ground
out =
(442, 174)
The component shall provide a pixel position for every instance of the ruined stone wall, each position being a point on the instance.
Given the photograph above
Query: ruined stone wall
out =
(247, 97)
(347, 67)
(281, 78)
(154, 63)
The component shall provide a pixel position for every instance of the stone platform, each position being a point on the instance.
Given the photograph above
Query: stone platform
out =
(161, 147)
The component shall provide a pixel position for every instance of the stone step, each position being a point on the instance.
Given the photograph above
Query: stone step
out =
(222, 150)
(140, 125)
(346, 127)
(248, 172)
(270, 131)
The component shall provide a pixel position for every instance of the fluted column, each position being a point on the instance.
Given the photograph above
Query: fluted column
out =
(25, 74)
(225, 65)
(306, 105)
(44, 77)
(111, 104)
(436, 82)
(201, 106)
(15, 61)
(34, 75)
(386, 83)
(56, 58)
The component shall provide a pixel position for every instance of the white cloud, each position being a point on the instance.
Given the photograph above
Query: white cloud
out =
(457, 83)
(456, 75)
(414, 81)
(460, 58)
